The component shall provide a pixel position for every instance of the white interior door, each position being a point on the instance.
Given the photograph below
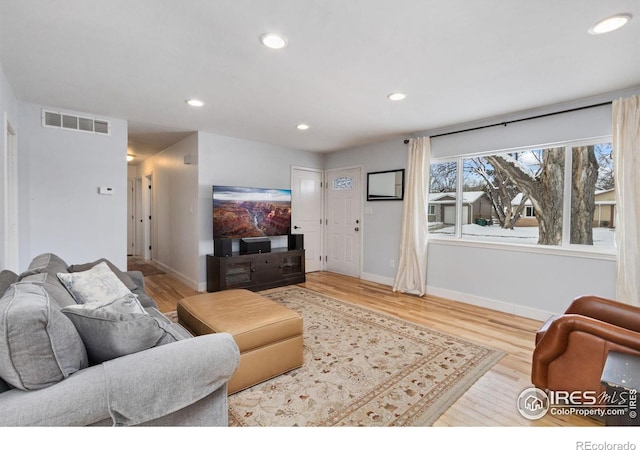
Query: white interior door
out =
(343, 221)
(149, 237)
(306, 211)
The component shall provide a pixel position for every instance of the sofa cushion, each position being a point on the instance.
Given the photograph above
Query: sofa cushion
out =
(94, 285)
(51, 284)
(45, 263)
(126, 280)
(7, 278)
(39, 346)
(144, 299)
(118, 327)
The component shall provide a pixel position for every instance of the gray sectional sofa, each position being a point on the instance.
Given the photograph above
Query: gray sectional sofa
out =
(66, 360)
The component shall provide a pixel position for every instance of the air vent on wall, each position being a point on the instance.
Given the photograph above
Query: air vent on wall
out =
(71, 122)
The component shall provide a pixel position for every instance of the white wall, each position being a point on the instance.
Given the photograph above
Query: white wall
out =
(239, 162)
(526, 283)
(60, 208)
(8, 113)
(175, 209)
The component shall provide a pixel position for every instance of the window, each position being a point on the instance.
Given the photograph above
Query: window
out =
(592, 195)
(442, 198)
(529, 211)
(343, 184)
(561, 195)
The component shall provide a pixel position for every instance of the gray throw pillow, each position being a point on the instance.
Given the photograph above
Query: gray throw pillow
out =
(126, 279)
(7, 278)
(39, 346)
(94, 285)
(116, 328)
(50, 283)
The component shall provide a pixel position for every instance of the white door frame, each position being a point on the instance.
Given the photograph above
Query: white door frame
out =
(10, 200)
(361, 207)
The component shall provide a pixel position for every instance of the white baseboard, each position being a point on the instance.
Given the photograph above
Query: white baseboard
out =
(495, 305)
(181, 277)
(387, 281)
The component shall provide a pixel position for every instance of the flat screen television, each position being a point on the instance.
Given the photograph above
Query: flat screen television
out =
(241, 212)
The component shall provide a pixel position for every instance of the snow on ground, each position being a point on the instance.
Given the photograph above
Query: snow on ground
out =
(602, 237)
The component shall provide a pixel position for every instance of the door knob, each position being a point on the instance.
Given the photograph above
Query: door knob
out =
(295, 227)
(357, 228)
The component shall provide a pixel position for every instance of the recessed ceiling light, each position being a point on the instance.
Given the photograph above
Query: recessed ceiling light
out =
(273, 40)
(396, 96)
(302, 126)
(610, 24)
(195, 102)
(130, 158)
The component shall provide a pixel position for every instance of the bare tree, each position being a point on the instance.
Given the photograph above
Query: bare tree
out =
(443, 177)
(583, 184)
(500, 191)
(545, 190)
(604, 157)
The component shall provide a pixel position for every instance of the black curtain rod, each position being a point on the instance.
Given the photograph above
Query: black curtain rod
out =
(406, 141)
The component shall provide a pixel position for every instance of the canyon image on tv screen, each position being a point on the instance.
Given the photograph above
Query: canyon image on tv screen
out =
(242, 212)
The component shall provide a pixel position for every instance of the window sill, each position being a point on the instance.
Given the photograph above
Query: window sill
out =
(574, 251)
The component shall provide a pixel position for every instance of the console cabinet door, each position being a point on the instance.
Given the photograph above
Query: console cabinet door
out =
(238, 273)
(266, 265)
(292, 265)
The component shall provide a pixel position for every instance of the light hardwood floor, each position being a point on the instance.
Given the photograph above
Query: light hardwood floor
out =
(491, 401)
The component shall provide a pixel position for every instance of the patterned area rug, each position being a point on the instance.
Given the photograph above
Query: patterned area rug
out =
(362, 368)
(136, 263)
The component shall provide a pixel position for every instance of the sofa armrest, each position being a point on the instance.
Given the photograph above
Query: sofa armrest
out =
(556, 341)
(610, 311)
(79, 400)
(150, 384)
(130, 390)
(137, 278)
(545, 326)
(143, 297)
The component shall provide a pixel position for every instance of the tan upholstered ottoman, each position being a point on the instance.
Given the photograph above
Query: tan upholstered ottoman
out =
(268, 334)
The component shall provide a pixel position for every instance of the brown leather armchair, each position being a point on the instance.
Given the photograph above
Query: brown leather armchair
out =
(571, 349)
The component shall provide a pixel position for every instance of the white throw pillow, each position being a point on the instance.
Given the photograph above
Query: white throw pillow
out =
(128, 304)
(98, 284)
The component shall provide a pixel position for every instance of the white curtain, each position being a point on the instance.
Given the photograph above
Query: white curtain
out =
(411, 276)
(626, 159)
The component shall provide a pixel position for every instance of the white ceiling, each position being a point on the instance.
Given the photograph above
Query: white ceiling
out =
(457, 61)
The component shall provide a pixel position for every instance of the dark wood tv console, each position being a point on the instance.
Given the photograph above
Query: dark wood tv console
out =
(255, 272)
